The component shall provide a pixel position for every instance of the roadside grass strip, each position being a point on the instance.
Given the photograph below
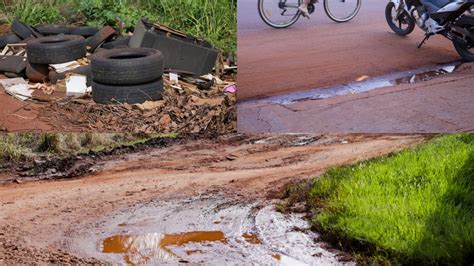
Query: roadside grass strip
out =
(415, 206)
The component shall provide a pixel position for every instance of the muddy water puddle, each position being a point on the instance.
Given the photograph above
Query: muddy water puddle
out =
(185, 231)
(365, 84)
(138, 249)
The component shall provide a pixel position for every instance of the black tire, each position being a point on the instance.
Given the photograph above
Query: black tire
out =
(405, 18)
(132, 94)
(35, 32)
(53, 29)
(467, 53)
(120, 42)
(8, 39)
(56, 49)
(330, 14)
(22, 30)
(128, 66)
(466, 50)
(84, 31)
(270, 23)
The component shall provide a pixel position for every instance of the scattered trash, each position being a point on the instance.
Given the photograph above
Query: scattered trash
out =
(64, 67)
(76, 85)
(181, 51)
(12, 63)
(231, 89)
(17, 87)
(110, 82)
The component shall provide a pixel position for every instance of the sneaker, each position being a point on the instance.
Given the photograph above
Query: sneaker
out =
(304, 10)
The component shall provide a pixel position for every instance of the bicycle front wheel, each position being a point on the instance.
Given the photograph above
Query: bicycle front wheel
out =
(342, 10)
(279, 13)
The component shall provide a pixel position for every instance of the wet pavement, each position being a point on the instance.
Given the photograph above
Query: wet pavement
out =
(427, 100)
(364, 84)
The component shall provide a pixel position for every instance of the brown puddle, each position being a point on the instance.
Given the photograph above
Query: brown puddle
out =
(194, 251)
(191, 237)
(251, 238)
(276, 256)
(139, 249)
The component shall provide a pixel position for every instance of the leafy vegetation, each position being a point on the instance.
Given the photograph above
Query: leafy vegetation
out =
(414, 206)
(214, 20)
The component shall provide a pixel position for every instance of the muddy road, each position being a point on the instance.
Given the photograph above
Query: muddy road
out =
(194, 201)
(317, 53)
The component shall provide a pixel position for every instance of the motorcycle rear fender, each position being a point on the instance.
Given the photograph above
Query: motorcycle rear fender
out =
(398, 2)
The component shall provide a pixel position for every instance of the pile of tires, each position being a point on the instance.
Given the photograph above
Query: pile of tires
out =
(52, 50)
(20, 33)
(128, 75)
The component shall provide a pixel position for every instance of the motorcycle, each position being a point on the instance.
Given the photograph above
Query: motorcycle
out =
(452, 19)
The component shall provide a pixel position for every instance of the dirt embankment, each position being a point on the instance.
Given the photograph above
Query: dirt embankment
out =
(41, 220)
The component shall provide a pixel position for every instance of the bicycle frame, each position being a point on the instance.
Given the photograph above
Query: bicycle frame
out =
(282, 5)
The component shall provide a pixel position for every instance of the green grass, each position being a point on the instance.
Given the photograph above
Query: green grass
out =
(214, 20)
(26, 146)
(414, 206)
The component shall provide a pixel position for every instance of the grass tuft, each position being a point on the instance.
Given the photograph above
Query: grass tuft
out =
(414, 206)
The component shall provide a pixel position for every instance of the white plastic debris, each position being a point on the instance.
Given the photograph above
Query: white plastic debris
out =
(174, 78)
(76, 85)
(17, 87)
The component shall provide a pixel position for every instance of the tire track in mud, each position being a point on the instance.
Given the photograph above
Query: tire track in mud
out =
(234, 170)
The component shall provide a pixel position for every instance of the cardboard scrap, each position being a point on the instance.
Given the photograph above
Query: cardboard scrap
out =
(17, 87)
(150, 105)
(61, 68)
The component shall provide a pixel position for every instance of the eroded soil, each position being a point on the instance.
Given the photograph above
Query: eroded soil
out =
(178, 189)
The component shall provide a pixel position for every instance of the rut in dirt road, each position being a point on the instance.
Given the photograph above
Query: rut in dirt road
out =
(223, 185)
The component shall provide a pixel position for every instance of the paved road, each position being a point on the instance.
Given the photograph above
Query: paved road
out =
(318, 52)
(443, 104)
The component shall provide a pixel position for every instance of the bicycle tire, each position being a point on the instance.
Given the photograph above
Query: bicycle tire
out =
(277, 26)
(333, 18)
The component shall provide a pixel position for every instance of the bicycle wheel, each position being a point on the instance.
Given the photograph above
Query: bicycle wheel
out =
(342, 10)
(279, 13)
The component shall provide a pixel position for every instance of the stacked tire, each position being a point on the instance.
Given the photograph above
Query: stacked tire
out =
(129, 75)
(52, 50)
(20, 33)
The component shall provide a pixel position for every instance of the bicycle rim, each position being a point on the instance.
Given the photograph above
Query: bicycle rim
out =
(342, 10)
(278, 13)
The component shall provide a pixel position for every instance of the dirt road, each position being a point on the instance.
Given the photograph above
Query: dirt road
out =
(318, 53)
(162, 194)
(442, 104)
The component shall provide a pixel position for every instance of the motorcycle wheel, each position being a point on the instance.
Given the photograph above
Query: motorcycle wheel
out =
(403, 19)
(466, 52)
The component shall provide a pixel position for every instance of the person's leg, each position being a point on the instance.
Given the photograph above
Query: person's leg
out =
(304, 8)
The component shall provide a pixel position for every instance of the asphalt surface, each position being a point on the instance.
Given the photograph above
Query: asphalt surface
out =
(440, 105)
(317, 53)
